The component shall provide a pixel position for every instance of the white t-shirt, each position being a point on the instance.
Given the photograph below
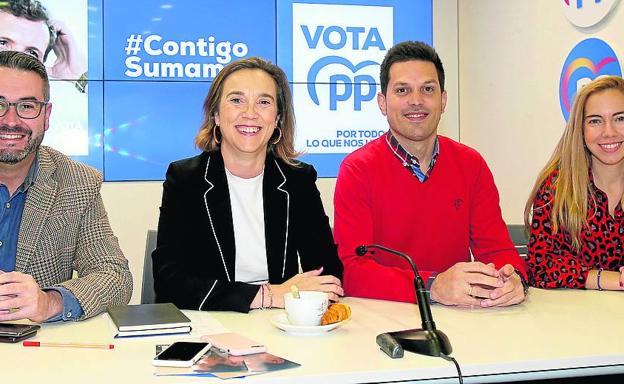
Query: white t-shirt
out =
(248, 219)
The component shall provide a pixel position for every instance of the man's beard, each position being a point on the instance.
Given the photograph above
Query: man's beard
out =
(9, 156)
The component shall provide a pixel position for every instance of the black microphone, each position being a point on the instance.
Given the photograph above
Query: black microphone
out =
(428, 340)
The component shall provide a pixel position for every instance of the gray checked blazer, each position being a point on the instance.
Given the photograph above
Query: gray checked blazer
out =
(65, 228)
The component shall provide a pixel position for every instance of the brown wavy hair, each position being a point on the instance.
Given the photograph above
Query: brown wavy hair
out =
(572, 160)
(206, 138)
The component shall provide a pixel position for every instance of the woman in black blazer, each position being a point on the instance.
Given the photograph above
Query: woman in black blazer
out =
(247, 134)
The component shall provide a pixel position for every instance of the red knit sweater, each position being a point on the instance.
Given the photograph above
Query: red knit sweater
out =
(436, 222)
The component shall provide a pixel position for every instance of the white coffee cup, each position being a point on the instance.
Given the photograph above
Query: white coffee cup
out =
(306, 310)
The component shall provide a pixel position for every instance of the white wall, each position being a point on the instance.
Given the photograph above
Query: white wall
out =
(511, 54)
(133, 209)
(446, 44)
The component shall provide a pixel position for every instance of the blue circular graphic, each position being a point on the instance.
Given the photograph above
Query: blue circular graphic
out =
(588, 60)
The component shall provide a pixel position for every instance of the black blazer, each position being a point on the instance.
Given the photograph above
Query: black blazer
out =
(195, 255)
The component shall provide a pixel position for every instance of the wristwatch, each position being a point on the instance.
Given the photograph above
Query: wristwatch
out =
(428, 285)
(525, 284)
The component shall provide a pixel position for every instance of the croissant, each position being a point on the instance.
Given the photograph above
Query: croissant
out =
(335, 313)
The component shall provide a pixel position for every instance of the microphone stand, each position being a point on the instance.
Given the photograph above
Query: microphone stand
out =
(427, 340)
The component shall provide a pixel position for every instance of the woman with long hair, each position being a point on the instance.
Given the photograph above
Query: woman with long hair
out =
(574, 213)
(239, 221)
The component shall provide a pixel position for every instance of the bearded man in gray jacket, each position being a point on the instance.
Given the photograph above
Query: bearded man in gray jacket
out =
(52, 218)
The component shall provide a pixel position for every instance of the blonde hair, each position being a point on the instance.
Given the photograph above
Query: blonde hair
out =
(281, 146)
(571, 159)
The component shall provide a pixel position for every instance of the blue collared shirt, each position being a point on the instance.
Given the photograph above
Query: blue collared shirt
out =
(11, 209)
(409, 161)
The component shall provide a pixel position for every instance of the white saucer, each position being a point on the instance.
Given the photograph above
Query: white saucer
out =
(281, 322)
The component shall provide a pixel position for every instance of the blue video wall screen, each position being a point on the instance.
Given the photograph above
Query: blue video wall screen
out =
(149, 66)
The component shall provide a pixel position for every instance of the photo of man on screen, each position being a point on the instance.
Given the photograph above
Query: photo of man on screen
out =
(27, 26)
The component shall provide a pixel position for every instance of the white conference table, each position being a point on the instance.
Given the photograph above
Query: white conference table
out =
(556, 333)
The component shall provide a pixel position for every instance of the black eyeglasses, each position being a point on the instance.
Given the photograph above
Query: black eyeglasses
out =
(26, 109)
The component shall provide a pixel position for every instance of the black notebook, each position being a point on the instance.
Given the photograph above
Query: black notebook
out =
(149, 319)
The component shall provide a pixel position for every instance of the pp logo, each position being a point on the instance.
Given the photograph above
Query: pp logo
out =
(588, 60)
(342, 86)
(337, 49)
(586, 13)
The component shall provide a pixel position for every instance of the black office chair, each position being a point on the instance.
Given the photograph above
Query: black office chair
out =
(519, 238)
(148, 296)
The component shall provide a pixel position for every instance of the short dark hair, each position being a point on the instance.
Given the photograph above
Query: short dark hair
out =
(31, 10)
(407, 51)
(27, 63)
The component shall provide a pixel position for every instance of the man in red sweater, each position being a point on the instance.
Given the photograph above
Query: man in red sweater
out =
(424, 195)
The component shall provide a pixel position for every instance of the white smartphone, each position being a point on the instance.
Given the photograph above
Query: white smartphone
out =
(234, 343)
(181, 354)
